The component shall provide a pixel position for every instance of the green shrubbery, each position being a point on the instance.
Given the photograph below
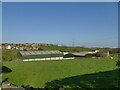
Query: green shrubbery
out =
(115, 50)
(100, 54)
(118, 63)
(9, 55)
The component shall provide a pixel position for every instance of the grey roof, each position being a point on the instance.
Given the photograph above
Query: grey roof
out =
(85, 53)
(80, 53)
(24, 53)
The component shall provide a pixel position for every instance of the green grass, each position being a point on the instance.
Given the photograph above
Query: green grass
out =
(45, 73)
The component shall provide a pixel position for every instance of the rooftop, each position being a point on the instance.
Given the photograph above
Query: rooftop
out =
(24, 53)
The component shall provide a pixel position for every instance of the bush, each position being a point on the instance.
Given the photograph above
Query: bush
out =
(40, 49)
(100, 54)
(9, 55)
(118, 63)
(115, 51)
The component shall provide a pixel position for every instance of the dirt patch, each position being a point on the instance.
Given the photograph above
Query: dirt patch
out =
(7, 85)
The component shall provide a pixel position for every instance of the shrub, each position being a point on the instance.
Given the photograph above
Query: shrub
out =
(40, 49)
(9, 55)
(100, 54)
(118, 63)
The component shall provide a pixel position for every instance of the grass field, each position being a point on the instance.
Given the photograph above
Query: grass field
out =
(77, 73)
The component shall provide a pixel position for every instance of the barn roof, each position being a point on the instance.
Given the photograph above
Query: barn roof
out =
(80, 53)
(84, 53)
(26, 53)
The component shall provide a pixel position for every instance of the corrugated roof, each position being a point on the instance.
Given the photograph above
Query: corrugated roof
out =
(24, 53)
(84, 53)
(80, 53)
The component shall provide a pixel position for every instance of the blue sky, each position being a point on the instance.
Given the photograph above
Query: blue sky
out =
(87, 24)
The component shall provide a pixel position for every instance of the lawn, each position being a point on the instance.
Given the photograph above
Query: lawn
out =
(77, 73)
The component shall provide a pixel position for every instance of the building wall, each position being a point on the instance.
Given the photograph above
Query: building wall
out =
(37, 59)
(52, 58)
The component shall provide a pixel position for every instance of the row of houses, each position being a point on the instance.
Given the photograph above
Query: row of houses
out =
(26, 46)
(52, 55)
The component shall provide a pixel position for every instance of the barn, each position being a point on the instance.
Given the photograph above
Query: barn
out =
(41, 55)
(85, 53)
(52, 55)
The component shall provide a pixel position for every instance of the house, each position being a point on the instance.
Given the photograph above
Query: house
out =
(8, 47)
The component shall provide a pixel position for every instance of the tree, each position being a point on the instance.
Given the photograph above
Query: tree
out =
(40, 49)
(118, 63)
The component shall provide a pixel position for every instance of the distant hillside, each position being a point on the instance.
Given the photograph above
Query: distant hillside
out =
(66, 48)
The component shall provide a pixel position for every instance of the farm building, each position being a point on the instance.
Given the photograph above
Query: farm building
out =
(84, 53)
(42, 55)
(52, 55)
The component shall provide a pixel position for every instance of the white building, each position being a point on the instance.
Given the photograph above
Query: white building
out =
(8, 47)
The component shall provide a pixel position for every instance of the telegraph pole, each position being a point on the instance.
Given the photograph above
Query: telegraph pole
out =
(73, 43)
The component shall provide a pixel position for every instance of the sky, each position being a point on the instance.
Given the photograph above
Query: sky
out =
(86, 24)
(60, 0)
